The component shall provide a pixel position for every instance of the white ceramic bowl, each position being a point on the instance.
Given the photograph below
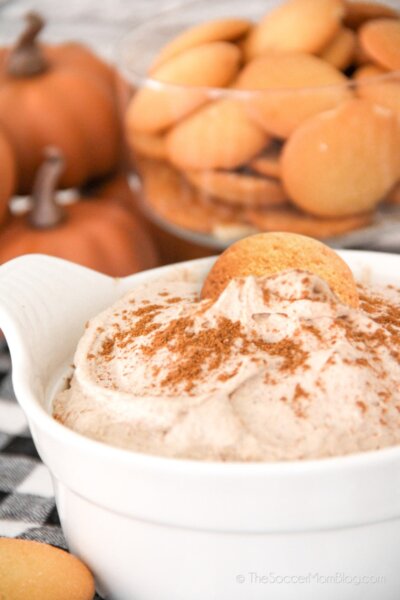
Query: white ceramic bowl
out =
(159, 529)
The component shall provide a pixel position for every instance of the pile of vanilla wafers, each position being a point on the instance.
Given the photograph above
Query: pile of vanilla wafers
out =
(291, 123)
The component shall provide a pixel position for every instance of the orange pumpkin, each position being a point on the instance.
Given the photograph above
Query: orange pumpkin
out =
(97, 234)
(7, 175)
(63, 96)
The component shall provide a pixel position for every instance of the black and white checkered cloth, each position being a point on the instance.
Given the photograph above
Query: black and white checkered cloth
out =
(27, 507)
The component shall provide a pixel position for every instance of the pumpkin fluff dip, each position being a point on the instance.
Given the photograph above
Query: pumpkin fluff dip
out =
(278, 355)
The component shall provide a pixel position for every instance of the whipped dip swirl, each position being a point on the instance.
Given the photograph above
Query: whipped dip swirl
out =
(276, 369)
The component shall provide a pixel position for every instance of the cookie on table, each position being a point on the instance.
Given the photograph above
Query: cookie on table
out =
(293, 99)
(219, 30)
(239, 189)
(293, 220)
(217, 136)
(37, 571)
(152, 110)
(344, 161)
(341, 50)
(270, 253)
(358, 12)
(296, 26)
(380, 40)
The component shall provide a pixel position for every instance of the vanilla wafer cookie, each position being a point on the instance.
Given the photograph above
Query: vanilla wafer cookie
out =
(358, 12)
(218, 136)
(267, 163)
(343, 162)
(147, 144)
(219, 30)
(379, 87)
(291, 219)
(368, 71)
(296, 26)
(380, 39)
(238, 188)
(153, 109)
(293, 87)
(37, 571)
(170, 197)
(341, 50)
(270, 253)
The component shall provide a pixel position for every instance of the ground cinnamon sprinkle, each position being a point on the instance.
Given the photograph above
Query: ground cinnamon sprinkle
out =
(390, 313)
(226, 376)
(298, 409)
(385, 396)
(206, 348)
(146, 310)
(292, 352)
(361, 362)
(388, 317)
(210, 347)
(362, 406)
(106, 349)
(197, 351)
(194, 351)
(314, 330)
(174, 330)
(299, 392)
(143, 326)
(373, 339)
(266, 296)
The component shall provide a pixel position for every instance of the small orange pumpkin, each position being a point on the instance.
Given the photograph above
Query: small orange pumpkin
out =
(63, 96)
(97, 234)
(7, 175)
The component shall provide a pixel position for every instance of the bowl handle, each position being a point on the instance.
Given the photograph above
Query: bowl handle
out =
(44, 303)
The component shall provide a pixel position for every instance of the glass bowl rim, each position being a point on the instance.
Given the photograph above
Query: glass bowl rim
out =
(145, 81)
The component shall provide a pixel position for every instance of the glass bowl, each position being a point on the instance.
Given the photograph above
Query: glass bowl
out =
(215, 163)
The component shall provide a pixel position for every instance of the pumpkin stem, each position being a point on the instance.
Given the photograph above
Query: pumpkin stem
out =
(26, 57)
(45, 212)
